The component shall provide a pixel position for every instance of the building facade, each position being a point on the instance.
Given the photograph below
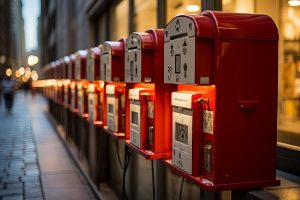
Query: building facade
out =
(12, 36)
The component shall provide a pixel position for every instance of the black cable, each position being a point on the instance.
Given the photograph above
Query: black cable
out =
(126, 164)
(153, 182)
(123, 181)
(118, 154)
(181, 188)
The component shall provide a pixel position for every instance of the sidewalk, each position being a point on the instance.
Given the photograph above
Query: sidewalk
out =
(33, 162)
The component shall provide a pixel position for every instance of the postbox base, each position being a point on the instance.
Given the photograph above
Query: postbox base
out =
(114, 134)
(147, 153)
(98, 124)
(207, 185)
(67, 106)
(74, 110)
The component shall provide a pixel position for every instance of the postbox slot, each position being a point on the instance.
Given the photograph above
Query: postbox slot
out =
(174, 37)
(133, 48)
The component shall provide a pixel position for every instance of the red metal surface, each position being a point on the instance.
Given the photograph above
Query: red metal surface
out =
(80, 59)
(148, 154)
(240, 54)
(114, 134)
(207, 185)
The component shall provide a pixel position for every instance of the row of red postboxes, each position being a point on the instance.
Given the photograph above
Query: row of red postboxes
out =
(201, 94)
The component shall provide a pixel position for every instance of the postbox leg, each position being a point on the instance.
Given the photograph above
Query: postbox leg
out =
(160, 180)
(204, 195)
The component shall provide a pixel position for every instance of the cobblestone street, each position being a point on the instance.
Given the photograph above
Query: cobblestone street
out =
(19, 170)
(34, 163)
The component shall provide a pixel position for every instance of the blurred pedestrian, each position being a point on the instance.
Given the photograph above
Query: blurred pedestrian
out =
(8, 87)
(26, 87)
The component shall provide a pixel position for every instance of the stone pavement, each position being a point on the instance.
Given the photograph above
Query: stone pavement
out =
(20, 176)
(33, 161)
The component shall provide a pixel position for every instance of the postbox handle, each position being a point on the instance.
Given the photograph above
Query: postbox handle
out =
(248, 105)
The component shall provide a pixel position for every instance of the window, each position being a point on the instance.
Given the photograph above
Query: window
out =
(175, 7)
(119, 20)
(289, 60)
(145, 14)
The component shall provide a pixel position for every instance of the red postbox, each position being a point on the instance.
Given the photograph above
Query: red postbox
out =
(224, 112)
(73, 85)
(147, 94)
(60, 81)
(96, 86)
(82, 82)
(112, 72)
(54, 66)
(67, 82)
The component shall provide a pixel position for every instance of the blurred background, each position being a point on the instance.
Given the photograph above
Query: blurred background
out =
(36, 32)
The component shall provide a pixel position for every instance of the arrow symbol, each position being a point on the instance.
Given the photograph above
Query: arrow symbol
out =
(172, 50)
(185, 69)
(132, 40)
(136, 71)
(177, 25)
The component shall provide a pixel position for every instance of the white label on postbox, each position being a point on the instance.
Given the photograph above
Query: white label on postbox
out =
(110, 89)
(91, 101)
(112, 108)
(66, 96)
(106, 62)
(135, 122)
(92, 98)
(90, 66)
(182, 126)
(80, 101)
(208, 121)
(112, 113)
(133, 59)
(77, 68)
(182, 99)
(91, 88)
(179, 51)
(133, 70)
(134, 93)
(70, 70)
(106, 67)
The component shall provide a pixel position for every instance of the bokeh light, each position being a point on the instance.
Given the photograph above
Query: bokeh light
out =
(32, 60)
(22, 71)
(8, 72)
(17, 73)
(34, 75)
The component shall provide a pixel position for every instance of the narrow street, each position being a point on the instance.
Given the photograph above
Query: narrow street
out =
(33, 162)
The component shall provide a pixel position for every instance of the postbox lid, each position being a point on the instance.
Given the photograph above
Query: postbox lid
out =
(243, 26)
(66, 59)
(139, 40)
(72, 57)
(157, 37)
(190, 25)
(145, 40)
(95, 51)
(114, 47)
(81, 54)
